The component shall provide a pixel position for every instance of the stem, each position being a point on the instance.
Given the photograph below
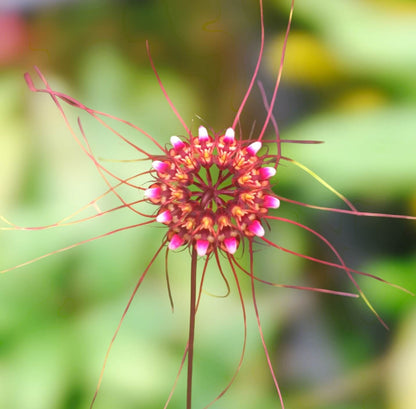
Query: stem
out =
(192, 311)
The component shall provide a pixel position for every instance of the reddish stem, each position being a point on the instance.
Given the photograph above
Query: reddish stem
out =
(136, 288)
(279, 75)
(192, 311)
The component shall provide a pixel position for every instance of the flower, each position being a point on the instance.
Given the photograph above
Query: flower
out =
(212, 192)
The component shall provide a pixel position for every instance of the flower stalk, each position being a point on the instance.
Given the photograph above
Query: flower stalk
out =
(191, 337)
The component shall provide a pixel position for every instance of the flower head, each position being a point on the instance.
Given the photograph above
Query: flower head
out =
(212, 191)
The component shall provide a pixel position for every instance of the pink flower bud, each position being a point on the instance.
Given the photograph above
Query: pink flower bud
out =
(229, 135)
(267, 173)
(164, 217)
(203, 134)
(256, 228)
(160, 166)
(202, 247)
(271, 202)
(253, 148)
(175, 242)
(177, 143)
(153, 192)
(231, 244)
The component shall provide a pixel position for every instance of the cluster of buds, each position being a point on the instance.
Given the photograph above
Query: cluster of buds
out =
(212, 191)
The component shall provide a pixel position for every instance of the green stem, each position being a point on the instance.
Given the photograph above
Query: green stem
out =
(192, 311)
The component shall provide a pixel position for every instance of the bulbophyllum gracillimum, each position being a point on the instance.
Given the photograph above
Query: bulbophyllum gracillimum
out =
(211, 193)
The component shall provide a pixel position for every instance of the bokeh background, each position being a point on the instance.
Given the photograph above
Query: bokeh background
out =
(348, 80)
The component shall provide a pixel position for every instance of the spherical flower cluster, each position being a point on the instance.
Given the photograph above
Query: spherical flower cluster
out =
(212, 191)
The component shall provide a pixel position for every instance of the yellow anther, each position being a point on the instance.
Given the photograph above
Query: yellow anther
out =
(239, 163)
(178, 194)
(180, 175)
(189, 162)
(190, 223)
(242, 180)
(223, 221)
(206, 222)
(186, 208)
(237, 211)
(222, 158)
(247, 197)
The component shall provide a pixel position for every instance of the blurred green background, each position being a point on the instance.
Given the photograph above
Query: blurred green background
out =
(348, 80)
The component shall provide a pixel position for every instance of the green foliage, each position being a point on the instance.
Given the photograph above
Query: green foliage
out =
(57, 316)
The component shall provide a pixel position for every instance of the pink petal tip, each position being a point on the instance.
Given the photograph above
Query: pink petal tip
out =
(229, 135)
(177, 143)
(164, 217)
(267, 173)
(271, 202)
(254, 147)
(152, 193)
(256, 228)
(231, 245)
(175, 242)
(203, 134)
(160, 166)
(202, 247)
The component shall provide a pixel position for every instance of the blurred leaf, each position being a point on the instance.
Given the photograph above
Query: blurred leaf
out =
(367, 37)
(370, 154)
